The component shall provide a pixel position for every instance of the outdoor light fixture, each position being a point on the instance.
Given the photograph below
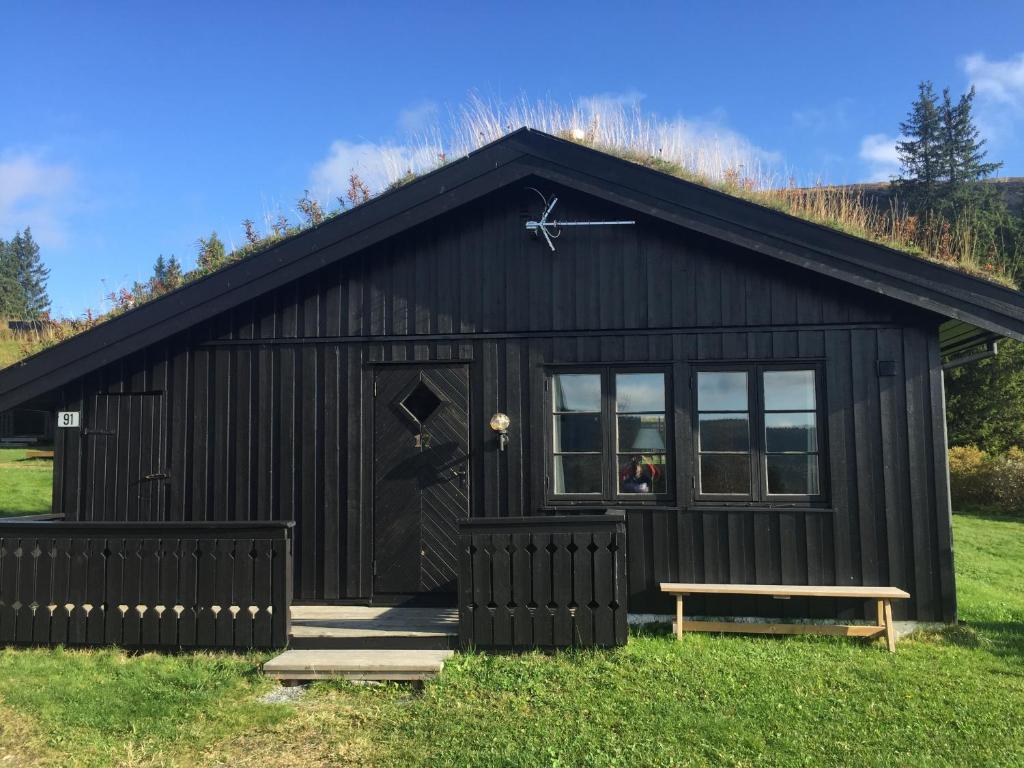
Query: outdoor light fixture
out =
(500, 423)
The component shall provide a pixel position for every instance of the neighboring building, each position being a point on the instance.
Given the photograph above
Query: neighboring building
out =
(35, 425)
(762, 395)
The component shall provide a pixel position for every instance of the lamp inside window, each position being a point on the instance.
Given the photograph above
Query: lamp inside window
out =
(640, 422)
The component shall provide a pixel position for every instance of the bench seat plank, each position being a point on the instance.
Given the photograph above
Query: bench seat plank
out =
(883, 595)
(755, 628)
(786, 590)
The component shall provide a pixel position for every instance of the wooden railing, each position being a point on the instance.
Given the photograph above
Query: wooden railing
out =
(542, 582)
(148, 585)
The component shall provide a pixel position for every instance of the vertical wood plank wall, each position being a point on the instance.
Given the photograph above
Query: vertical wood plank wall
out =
(267, 407)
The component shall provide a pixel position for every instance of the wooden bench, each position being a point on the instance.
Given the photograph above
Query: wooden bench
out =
(38, 454)
(883, 595)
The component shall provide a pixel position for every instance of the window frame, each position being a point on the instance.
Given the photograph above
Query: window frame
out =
(751, 435)
(758, 494)
(552, 415)
(609, 493)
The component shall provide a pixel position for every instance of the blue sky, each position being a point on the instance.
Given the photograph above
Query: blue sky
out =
(131, 129)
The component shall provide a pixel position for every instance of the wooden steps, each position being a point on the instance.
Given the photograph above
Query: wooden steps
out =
(340, 627)
(357, 664)
(359, 642)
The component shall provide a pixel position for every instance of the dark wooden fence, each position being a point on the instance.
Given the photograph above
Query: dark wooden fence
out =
(542, 582)
(145, 585)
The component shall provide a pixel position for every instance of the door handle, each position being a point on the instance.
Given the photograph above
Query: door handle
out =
(460, 475)
(157, 476)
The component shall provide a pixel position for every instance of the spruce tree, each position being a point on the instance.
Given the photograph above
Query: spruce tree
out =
(11, 300)
(166, 277)
(159, 270)
(173, 276)
(22, 262)
(964, 165)
(212, 253)
(921, 151)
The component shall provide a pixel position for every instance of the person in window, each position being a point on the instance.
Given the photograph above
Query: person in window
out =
(638, 476)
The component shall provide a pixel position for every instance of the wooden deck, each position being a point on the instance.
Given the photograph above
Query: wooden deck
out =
(322, 627)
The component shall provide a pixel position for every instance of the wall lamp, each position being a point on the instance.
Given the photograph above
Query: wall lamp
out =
(500, 423)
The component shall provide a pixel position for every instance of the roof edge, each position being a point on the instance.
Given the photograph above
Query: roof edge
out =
(911, 280)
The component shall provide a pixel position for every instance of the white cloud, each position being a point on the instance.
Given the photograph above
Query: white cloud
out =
(824, 119)
(878, 152)
(705, 144)
(418, 117)
(715, 148)
(34, 193)
(999, 81)
(598, 102)
(377, 164)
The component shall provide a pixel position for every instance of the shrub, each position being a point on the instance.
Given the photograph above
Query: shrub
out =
(985, 401)
(994, 482)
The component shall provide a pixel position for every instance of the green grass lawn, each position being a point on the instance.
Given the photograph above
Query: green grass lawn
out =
(950, 698)
(26, 485)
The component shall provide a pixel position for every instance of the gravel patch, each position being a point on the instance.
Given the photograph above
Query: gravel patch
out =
(284, 694)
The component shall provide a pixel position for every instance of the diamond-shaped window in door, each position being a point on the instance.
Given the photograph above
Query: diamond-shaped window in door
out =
(421, 403)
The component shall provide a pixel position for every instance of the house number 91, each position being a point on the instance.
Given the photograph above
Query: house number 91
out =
(67, 419)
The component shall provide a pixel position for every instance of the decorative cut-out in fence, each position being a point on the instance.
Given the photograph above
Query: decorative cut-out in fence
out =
(171, 585)
(543, 582)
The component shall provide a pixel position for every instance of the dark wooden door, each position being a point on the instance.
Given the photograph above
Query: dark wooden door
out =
(421, 476)
(123, 461)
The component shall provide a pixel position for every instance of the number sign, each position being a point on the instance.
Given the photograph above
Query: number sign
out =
(67, 419)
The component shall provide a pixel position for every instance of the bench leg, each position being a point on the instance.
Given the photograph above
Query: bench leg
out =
(890, 630)
(679, 617)
(881, 613)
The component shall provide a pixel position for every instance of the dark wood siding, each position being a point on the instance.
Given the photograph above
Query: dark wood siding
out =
(268, 413)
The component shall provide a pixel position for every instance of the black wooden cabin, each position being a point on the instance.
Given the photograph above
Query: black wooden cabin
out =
(762, 396)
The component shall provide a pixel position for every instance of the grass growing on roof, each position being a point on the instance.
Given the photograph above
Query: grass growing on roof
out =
(26, 485)
(668, 146)
(11, 349)
(947, 698)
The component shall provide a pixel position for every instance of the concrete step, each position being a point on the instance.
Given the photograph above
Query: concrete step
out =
(357, 664)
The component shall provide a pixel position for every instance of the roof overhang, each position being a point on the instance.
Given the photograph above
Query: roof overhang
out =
(968, 302)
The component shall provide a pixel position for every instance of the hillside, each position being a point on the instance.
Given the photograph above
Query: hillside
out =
(1010, 188)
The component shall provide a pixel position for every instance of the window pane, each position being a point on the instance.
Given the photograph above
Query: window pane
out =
(725, 473)
(790, 432)
(722, 391)
(577, 474)
(642, 433)
(789, 390)
(642, 474)
(577, 392)
(724, 432)
(635, 392)
(578, 432)
(793, 474)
